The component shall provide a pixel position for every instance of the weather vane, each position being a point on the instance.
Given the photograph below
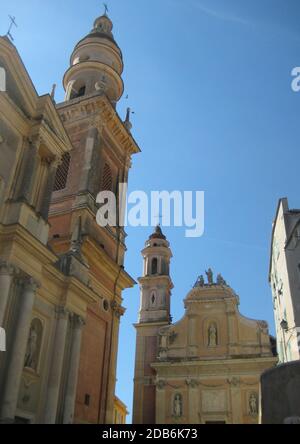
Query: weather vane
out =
(105, 8)
(12, 23)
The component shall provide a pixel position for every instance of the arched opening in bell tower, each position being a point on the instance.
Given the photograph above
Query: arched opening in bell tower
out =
(154, 266)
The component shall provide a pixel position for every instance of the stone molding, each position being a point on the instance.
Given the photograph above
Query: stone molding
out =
(8, 269)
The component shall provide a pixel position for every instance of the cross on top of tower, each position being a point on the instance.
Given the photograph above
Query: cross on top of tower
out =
(12, 23)
(105, 8)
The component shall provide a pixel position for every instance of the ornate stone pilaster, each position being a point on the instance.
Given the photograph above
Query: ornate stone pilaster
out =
(62, 316)
(236, 400)
(193, 396)
(30, 161)
(70, 396)
(18, 350)
(50, 179)
(118, 311)
(7, 272)
(90, 160)
(232, 329)
(160, 401)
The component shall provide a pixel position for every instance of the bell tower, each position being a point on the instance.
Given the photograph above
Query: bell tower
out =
(93, 255)
(156, 283)
(155, 288)
(96, 64)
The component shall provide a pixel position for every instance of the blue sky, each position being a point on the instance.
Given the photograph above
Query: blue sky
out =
(210, 84)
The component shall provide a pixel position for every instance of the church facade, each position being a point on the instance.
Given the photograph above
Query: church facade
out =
(204, 369)
(61, 274)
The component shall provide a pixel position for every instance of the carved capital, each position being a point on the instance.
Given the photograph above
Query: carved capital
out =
(55, 163)
(263, 326)
(8, 269)
(30, 284)
(235, 382)
(117, 309)
(35, 140)
(128, 162)
(192, 383)
(160, 384)
(61, 312)
(77, 321)
(47, 161)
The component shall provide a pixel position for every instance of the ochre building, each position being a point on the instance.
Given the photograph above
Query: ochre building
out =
(120, 412)
(204, 369)
(61, 274)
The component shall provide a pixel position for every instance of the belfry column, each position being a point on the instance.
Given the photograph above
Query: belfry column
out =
(70, 396)
(160, 401)
(155, 286)
(18, 350)
(6, 277)
(57, 365)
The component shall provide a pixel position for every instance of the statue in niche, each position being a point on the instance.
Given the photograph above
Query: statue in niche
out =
(33, 345)
(177, 408)
(212, 336)
(210, 276)
(253, 404)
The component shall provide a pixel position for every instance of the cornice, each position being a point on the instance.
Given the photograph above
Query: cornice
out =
(46, 136)
(18, 234)
(19, 73)
(217, 364)
(78, 110)
(102, 260)
(14, 115)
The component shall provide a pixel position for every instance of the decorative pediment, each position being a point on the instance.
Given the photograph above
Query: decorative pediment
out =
(22, 99)
(18, 83)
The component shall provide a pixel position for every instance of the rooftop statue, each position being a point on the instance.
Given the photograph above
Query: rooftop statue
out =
(210, 276)
(200, 282)
(221, 280)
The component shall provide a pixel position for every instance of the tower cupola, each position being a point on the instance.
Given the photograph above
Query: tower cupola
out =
(96, 64)
(156, 283)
